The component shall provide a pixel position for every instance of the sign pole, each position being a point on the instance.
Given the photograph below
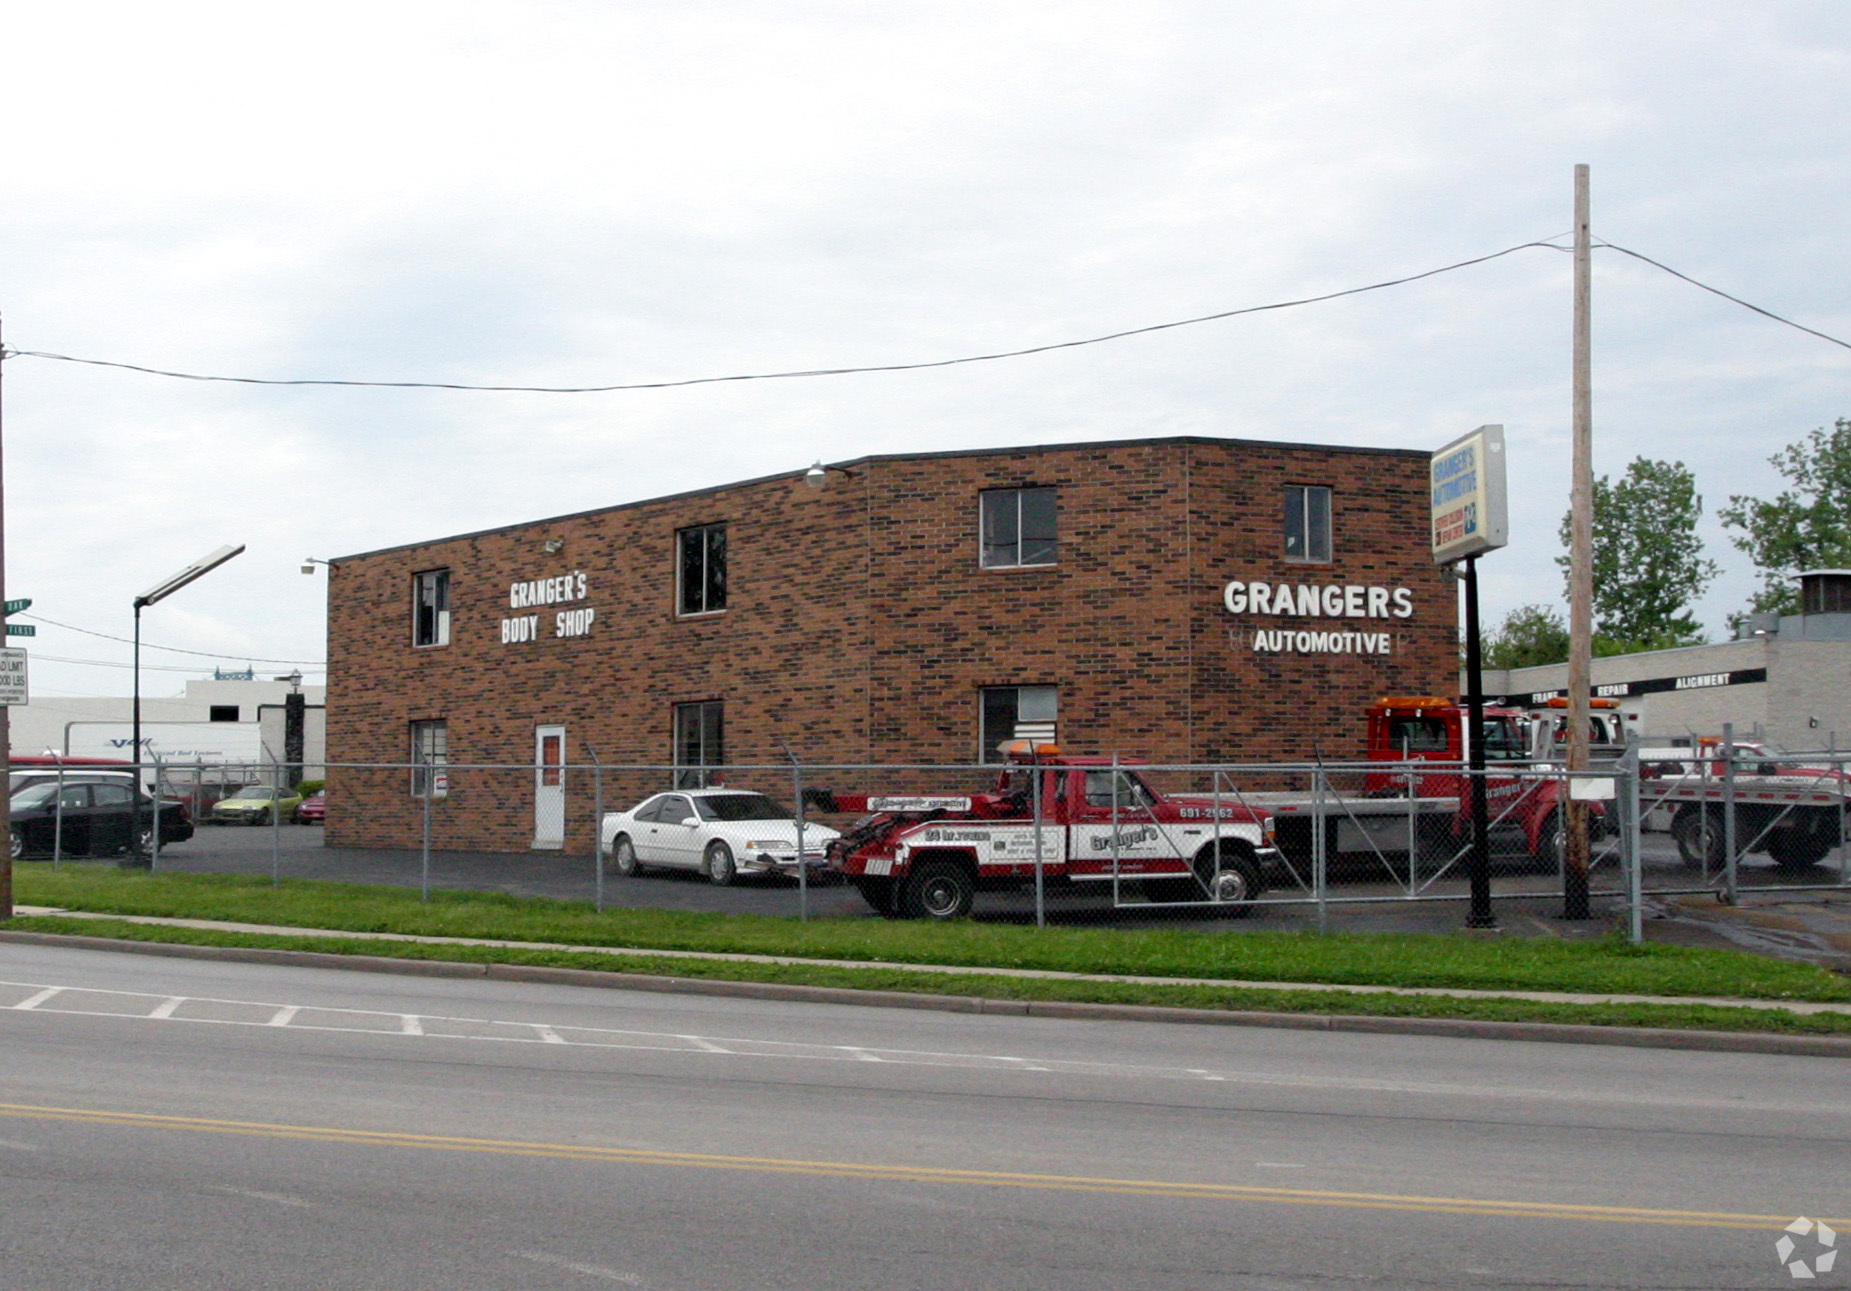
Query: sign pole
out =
(6, 735)
(1479, 864)
(1469, 517)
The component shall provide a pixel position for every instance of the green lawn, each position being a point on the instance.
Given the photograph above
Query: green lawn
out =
(1605, 965)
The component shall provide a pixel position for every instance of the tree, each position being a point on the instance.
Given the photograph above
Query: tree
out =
(1529, 635)
(1648, 560)
(1807, 527)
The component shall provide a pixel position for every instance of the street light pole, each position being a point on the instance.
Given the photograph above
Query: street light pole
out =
(160, 592)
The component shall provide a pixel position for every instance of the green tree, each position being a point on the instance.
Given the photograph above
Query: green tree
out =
(1807, 527)
(1529, 635)
(1648, 559)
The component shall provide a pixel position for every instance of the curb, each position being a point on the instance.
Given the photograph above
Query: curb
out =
(1457, 1028)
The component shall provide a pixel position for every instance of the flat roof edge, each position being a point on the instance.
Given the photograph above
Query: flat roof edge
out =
(850, 463)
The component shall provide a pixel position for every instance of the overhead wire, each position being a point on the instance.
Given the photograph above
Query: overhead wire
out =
(1718, 291)
(148, 645)
(804, 372)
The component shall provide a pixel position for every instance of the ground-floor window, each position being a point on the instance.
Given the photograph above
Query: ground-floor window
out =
(430, 748)
(1016, 713)
(700, 742)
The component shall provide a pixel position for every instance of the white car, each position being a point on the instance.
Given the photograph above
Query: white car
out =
(720, 832)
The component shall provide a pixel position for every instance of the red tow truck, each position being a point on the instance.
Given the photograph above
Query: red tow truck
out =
(1094, 820)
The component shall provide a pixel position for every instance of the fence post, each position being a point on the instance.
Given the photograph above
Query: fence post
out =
(1839, 767)
(276, 822)
(1318, 848)
(1041, 914)
(154, 844)
(57, 820)
(1635, 829)
(424, 847)
(597, 826)
(1728, 812)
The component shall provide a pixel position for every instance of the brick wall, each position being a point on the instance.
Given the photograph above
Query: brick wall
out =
(859, 627)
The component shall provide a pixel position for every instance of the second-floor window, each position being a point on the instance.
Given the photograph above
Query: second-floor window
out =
(1307, 522)
(1017, 527)
(700, 559)
(430, 608)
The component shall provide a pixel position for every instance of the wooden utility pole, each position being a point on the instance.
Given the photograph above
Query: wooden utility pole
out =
(6, 725)
(1580, 568)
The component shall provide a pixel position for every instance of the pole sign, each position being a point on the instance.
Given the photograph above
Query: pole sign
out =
(21, 630)
(1466, 496)
(13, 679)
(16, 607)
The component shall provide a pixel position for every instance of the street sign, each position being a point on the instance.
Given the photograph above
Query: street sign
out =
(14, 607)
(13, 678)
(21, 630)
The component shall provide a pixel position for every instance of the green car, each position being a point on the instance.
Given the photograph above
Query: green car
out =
(255, 804)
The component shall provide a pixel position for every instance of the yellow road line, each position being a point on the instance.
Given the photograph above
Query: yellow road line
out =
(910, 1174)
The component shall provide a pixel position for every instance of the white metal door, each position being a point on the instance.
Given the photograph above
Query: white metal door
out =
(549, 787)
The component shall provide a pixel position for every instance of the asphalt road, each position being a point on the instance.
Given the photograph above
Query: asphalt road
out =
(177, 1123)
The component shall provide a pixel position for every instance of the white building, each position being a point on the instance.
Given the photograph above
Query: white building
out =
(218, 720)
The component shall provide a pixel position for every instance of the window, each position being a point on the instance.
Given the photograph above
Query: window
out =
(111, 795)
(700, 743)
(700, 557)
(430, 747)
(1106, 788)
(1016, 713)
(1017, 527)
(1307, 522)
(430, 608)
(223, 713)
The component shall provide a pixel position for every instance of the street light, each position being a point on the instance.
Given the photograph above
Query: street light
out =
(160, 592)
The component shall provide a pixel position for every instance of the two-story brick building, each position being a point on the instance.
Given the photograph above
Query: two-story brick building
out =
(1182, 600)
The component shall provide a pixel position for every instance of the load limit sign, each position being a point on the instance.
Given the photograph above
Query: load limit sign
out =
(13, 678)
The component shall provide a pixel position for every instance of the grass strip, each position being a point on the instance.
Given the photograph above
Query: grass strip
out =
(1677, 1016)
(1606, 965)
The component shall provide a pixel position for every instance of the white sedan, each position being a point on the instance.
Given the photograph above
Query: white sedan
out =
(720, 832)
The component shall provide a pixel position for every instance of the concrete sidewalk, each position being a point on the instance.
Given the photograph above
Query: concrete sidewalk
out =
(1546, 997)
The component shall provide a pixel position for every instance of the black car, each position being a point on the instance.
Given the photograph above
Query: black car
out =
(91, 818)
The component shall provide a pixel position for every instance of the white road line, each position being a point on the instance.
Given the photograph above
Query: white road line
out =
(409, 1024)
(589, 1270)
(33, 1001)
(703, 1044)
(861, 1055)
(546, 1034)
(283, 1016)
(165, 1009)
(275, 1198)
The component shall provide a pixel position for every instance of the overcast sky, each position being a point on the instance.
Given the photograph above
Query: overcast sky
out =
(558, 193)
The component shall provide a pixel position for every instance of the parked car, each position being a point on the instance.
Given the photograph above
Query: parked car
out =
(720, 832)
(254, 804)
(92, 818)
(313, 811)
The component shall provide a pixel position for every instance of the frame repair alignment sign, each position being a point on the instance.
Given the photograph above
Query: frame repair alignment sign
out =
(1466, 494)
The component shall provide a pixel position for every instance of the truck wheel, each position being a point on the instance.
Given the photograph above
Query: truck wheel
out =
(937, 890)
(721, 870)
(1550, 851)
(623, 856)
(877, 892)
(1694, 848)
(1234, 882)
(1795, 849)
(17, 847)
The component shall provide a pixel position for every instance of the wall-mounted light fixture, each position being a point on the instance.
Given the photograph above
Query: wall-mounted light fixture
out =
(818, 475)
(552, 545)
(309, 563)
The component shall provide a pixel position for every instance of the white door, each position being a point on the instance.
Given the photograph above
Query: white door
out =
(549, 787)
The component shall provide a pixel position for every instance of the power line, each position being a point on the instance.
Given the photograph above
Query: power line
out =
(113, 663)
(807, 372)
(1717, 291)
(145, 645)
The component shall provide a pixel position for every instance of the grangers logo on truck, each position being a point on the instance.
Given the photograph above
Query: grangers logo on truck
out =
(918, 802)
(1126, 838)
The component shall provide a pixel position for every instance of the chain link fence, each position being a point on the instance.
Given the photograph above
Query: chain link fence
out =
(1127, 842)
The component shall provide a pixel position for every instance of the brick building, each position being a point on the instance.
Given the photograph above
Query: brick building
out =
(1181, 600)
